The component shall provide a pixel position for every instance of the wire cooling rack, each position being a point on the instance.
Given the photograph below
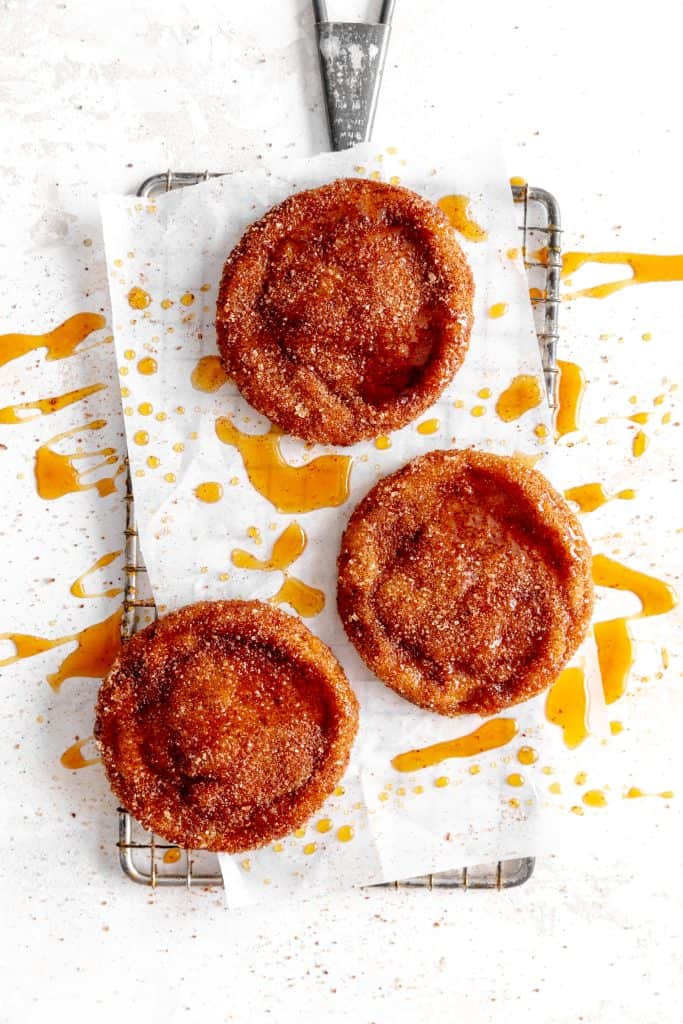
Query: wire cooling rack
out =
(151, 861)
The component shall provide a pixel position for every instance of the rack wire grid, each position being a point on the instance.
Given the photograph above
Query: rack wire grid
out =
(151, 861)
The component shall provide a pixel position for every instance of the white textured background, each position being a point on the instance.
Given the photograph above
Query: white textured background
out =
(94, 96)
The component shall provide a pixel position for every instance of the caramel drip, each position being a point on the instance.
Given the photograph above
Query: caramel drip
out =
(640, 443)
(291, 543)
(77, 588)
(45, 406)
(73, 758)
(172, 856)
(57, 475)
(589, 497)
(289, 546)
(428, 426)
(497, 310)
(492, 734)
(382, 442)
(323, 482)
(457, 211)
(208, 375)
(570, 392)
(567, 706)
(615, 648)
(60, 342)
(523, 394)
(634, 792)
(594, 798)
(97, 647)
(210, 492)
(644, 268)
(306, 601)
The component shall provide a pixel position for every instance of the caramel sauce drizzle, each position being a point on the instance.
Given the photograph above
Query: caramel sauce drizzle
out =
(492, 734)
(45, 406)
(522, 394)
(208, 375)
(289, 546)
(571, 386)
(567, 701)
(60, 342)
(589, 497)
(77, 588)
(615, 647)
(457, 211)
(644, 268)
(97, 647)
(323, 482)
(567, 706)
(73, 757)
(57, 475)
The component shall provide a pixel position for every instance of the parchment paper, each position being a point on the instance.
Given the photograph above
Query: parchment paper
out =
(175, 247)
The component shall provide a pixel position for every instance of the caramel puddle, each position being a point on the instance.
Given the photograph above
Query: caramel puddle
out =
(208, 375)
(644, 268)
(567, 706)
(60, 342)
(323, 482)
(522, 394)
(57, 475)
(97, 647)
(45, 406)
(590, 497)
(570, 390)
(492, 734)
(457, 211)
(73, 757)
(77, 588)
(291, 543)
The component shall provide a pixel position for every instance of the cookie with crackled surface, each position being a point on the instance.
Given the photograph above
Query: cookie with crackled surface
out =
(465, 582)
(345, 311)
(225, 725)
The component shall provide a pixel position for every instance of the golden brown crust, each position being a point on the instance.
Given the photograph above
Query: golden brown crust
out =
(225, 725)
(345, 311)
(465, 582)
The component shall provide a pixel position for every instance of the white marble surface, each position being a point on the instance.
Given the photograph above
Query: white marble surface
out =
(94, 96)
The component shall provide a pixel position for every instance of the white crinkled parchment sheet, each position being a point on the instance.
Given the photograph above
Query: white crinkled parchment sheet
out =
(173, 248)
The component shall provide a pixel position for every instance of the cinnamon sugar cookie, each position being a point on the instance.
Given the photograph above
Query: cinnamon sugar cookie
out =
(345, 311)
(225, 725)
(465, 582)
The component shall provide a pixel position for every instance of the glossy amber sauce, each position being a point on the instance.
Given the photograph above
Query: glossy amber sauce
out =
(291, 543)
(73, 757)
(515, 779)
(57, 475)
(497, 310)
(594, 798)
(457, 210)
(210, 491)
(567, 706)
(527, 755)
(640, 443)
(306, 601)
(323, 482)
(172, 856)
(382, 442)
(615, 648)
(591, 496)
(45, 406)
(644, 269)
(522, 394)
(208, 375)
(60, 342)
(77, 587)
(428, 426)
(138, 298)
(345, 834)
(634, 792)
(147, 366)
(97, 647)
(492, 734)
(570, 390)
